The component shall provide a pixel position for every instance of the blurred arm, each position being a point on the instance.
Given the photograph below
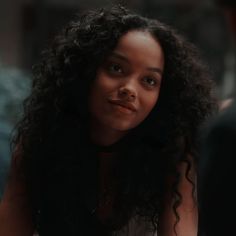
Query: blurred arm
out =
(15, 210)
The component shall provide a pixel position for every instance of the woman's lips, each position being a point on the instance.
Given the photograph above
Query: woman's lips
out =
(124, 107)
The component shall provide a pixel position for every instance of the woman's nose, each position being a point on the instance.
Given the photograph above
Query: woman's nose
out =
(126, 93)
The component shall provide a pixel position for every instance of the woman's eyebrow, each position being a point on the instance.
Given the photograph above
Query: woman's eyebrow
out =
(155, 69)
(119, 56)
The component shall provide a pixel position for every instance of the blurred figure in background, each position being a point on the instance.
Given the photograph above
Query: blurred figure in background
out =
(217, 166)
(228, 8)
(14, 86)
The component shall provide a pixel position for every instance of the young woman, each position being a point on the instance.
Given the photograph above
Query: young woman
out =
(106, 145)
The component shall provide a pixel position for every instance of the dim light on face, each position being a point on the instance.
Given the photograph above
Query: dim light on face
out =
(128, 83)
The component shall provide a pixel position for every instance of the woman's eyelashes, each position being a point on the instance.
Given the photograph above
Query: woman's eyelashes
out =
(150, 81)
(116, 69)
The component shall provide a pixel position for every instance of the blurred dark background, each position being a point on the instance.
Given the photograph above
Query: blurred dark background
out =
(27, 26)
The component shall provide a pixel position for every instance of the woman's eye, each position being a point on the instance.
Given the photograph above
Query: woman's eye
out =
(115, 68)
(150, 81)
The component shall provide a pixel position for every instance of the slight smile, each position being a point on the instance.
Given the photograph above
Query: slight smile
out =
(124, 106)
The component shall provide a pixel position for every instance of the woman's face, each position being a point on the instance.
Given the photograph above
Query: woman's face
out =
(128, 83)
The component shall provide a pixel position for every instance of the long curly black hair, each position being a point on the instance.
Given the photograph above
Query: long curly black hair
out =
(59, 161)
